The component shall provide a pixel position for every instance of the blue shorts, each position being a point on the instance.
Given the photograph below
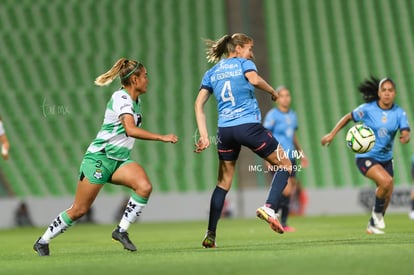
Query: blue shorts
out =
(365, 163)
(252, 135)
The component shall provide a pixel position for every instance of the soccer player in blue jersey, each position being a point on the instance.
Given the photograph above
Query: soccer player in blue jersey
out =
(232, 81)
(381, 114)
(411, 213)
(283, 123)
(107, 158)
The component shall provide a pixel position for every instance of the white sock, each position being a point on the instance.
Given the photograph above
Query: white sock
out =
(57, 227)
(132, 211)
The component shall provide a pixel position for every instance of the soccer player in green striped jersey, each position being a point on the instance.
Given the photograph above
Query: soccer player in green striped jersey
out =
(107, 157)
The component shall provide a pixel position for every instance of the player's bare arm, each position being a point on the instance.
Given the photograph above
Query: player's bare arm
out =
(132, 130)
(203, 142)
(256, 80)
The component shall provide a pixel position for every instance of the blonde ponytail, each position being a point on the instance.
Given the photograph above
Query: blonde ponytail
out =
(217, 49)
(107, 78)
(224, 46)
(123, 68)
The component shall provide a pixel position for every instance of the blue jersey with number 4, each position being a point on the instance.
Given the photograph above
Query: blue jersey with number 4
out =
(385, 124)
(236, 102)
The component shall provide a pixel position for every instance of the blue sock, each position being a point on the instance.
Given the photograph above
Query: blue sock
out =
(216, 207)
(284, 207)
(379, 205)
(279, 183)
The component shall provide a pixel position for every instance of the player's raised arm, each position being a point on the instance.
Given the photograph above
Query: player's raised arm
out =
(327, 139)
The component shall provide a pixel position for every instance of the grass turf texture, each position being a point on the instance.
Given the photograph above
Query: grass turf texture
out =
(321, 245)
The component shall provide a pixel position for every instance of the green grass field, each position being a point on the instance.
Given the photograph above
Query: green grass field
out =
(321, 245)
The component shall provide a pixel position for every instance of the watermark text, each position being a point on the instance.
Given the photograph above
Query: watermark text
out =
(49, 109)
(272, 168)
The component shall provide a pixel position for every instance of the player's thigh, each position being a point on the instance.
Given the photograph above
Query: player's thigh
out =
(380, 176)
(132, 175)
(228, 148)
(279, 160)
(85, 195)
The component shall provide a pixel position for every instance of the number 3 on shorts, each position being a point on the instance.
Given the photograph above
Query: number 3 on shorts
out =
(226, 94)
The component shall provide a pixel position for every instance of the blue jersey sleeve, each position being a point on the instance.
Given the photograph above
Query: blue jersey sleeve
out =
(358, 113)
(404, 125)
(205, 82)
(248, 66)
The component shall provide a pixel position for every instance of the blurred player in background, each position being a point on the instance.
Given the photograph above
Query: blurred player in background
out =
(382, 115)
(282, 122)
(107, 157)
(411, 214)
(5, 146)
(232, 81)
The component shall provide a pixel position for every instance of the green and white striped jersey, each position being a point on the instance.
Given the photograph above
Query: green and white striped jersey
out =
(112, 136)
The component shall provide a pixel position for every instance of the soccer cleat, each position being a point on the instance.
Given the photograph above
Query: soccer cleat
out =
(265, 214)
(373, 230)
(40, 248)
(123, 238)
(377, 219)
(209, 240)
(288, 228)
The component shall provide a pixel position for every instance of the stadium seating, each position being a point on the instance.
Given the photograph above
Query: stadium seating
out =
(51, 54)
(52, 51)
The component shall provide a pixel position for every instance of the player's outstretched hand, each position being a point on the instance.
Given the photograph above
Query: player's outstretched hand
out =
(275, 96)
(404, 139)
(169, 138)
(326, 140)
(202, 144)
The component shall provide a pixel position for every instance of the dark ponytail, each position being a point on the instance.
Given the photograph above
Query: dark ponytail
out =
(369, 89)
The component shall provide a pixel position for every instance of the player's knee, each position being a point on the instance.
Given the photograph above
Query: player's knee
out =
(388, 184)
(148, 188)
(224, 184)
(287, 165)
(76, 212)
(144, 188)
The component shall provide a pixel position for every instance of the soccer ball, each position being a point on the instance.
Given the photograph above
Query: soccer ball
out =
(360, 138)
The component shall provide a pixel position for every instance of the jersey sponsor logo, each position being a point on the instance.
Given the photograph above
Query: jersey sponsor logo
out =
(288, 120)
(223, 66)
(125, 106)
(382, 132)
(228, 113)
